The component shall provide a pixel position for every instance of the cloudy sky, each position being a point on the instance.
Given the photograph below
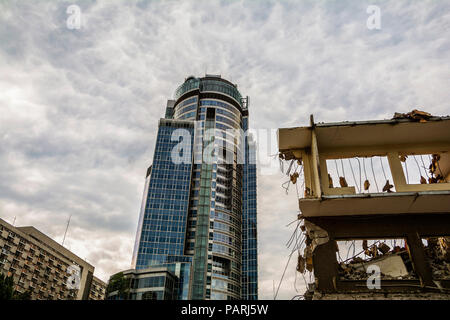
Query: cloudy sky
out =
(79, 107)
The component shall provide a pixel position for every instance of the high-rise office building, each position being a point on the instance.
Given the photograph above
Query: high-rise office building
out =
(198, 214)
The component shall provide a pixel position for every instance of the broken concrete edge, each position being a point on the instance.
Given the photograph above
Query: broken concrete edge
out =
(316, 234)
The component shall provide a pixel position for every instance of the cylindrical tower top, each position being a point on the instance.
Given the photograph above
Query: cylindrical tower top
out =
(209, 83)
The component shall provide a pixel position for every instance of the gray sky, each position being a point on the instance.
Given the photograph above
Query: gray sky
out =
(79, 108)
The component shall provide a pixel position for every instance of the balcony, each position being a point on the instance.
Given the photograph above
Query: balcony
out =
(372, 167)
(374, 181)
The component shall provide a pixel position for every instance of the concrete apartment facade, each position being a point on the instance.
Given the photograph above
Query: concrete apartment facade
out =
(98, 289)
(40, 264)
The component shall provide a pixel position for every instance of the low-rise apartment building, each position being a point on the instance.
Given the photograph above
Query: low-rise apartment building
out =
(42, 266)
(98, 289)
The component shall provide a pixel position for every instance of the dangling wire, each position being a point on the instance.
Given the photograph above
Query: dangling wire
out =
(439, 167)
(291, 239)
(298, 249)
(431, 161)
(287, 187)
(337, 170)
(304, 279)
(282, 277)
(290, 167)
(339, 253)
(291, 222)
(290, 256)
(354, 247)
(343, 171)
(365, 173)
(382, 168)
(407, 175)
(373, 173)
(368, 244)
(281, 165)
(424, 167)
(417, 163)
(360, 177)
(295, 282)
(352, 244)
(353, 174)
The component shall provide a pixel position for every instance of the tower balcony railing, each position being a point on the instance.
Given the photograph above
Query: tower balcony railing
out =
(209, 85)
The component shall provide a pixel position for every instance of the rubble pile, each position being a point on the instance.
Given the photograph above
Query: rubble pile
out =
(394, 264)
(348, 272)
(438, 252)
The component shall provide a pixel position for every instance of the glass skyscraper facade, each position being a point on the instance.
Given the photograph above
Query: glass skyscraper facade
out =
(198, 216)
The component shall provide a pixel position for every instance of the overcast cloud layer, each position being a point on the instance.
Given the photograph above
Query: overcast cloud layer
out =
(79, 108)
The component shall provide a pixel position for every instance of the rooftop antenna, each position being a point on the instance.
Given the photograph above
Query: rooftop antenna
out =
(14, 222)
(274, 296)
(67, 227)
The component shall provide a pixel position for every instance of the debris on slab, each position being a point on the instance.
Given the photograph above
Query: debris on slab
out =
(438, 252)
(417, 115)
(394, 264)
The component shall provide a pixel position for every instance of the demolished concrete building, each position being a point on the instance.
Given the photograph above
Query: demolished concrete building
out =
(344, 204)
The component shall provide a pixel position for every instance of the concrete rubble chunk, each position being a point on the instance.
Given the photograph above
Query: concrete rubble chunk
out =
(391, 265)
(413, 115)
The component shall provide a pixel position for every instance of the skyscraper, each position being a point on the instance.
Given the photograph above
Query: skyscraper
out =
(198, 213)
